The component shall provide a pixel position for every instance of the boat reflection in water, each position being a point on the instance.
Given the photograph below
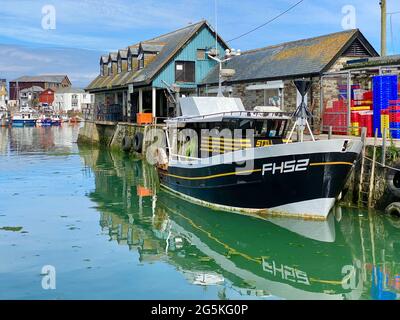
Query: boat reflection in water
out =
(341, 258)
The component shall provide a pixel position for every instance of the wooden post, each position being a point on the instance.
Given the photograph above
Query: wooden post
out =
(154, 101)
(360, 184)
(372, 178)
(330, 133)
(384, 146)
(383, 27)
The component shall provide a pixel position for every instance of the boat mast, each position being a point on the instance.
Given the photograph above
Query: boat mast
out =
(302, 113)
(229, 54)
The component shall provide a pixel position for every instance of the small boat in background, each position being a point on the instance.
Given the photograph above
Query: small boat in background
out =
(26, 117)
(65, 118)
(56, 120)
(75, 119)
(43, 121)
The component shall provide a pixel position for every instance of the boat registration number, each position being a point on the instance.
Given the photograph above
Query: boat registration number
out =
(286, 167)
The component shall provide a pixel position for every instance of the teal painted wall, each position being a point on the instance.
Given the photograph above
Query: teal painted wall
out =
(204, 39)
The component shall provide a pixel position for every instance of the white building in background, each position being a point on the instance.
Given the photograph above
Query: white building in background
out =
(71, 99)
(3, 93)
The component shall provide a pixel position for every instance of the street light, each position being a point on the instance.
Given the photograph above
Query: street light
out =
(229, 54)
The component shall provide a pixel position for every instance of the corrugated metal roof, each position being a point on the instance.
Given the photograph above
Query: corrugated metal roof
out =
(290, 59)
(42, 78)
(169, 44)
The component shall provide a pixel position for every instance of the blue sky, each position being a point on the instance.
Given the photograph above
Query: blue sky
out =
(87, 28)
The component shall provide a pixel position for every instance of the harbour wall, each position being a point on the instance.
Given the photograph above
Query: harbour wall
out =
(374, 184)
(118, 137)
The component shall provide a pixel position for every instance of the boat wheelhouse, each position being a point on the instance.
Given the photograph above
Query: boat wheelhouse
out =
(26, 117)
(223, 156)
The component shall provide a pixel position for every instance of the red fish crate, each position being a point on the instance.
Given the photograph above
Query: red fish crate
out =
(366, 121)
(368, 95)
(394, 113)
(339, 106)
(335, 119)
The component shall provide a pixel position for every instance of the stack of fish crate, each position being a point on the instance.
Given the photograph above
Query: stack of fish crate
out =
(384, 88)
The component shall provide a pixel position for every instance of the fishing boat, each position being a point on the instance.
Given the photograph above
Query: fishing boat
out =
(26, 117)
(5, 117)
(43, 121)
(222, 156)
(56, 120)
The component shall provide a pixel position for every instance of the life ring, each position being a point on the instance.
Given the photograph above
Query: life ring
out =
(138, 142)
(126, 144)
(393, 180)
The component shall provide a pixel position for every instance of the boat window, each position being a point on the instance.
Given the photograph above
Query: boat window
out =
(273, 128)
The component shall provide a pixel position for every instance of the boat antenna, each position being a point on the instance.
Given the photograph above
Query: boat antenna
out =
(302, 113)
(216, 24)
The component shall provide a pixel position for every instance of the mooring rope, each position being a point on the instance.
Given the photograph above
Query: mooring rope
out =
(382, 165)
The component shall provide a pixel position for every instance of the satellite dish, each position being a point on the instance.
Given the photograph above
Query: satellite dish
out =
(228, 73)
(213, 52)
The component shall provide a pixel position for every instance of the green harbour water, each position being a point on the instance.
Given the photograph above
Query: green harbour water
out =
(102, 222)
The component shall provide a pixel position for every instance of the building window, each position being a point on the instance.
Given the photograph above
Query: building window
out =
(110, 69)
(101, 69)
(129, 63)
(141, 61)
(119, 66)
(201, 54)
(185, 71)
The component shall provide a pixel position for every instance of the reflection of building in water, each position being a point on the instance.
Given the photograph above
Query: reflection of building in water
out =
(376, 241)
(285, 258)
(4, 132)
(40, 139)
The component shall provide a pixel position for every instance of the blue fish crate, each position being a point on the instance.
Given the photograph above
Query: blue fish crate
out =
(384, 89)
(394, 130)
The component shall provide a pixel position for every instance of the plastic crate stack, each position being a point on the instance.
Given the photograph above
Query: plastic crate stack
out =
(366, 121)
(335, 117)
(394, 118)
(362, 101)
(384, 90)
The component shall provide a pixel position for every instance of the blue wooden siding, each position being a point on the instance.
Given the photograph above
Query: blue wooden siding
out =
(203, 40)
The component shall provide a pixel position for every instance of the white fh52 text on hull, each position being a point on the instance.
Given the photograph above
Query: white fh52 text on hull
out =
(286, 167)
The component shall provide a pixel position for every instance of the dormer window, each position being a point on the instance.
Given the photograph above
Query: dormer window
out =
(140, 60)
(119, 65)
(110, 68)
(102, 69)
(129, 63)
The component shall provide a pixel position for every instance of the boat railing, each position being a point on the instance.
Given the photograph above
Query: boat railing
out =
(260, 114)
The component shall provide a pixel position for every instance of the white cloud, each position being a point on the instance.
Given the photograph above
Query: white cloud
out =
(80, 65)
